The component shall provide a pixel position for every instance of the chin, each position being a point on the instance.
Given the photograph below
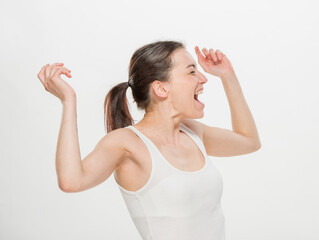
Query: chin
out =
(201, 115)
(197, 115)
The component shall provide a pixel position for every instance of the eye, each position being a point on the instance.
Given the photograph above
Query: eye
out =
(192, 71)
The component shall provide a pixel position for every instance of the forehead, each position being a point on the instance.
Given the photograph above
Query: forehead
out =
(182, 58)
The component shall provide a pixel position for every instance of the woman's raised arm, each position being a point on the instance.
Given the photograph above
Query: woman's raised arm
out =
(73, 174)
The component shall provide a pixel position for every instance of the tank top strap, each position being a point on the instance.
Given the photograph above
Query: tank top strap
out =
(154, 150)
(194, 136)
(146, 141)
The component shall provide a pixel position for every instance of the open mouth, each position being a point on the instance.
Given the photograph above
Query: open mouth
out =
(196, 95)
(196, 98)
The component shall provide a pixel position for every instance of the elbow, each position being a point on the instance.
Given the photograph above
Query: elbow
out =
(258, 146)
(67, 188)
(255, 144)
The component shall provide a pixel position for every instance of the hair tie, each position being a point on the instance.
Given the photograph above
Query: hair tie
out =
(128, 83)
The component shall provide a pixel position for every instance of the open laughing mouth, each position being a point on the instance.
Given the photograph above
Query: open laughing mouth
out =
(196, 97)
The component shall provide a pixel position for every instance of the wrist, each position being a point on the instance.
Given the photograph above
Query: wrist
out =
(69, 100)
(228, 74)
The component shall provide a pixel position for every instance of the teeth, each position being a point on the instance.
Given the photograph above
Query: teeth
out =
(199, 92)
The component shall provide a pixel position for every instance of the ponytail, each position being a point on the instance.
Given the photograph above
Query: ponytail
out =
(116, 112)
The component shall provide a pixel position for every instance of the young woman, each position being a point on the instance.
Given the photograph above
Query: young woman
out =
(170, 187)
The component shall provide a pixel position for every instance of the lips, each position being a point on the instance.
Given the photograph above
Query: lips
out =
(199, 90)
(198, 102)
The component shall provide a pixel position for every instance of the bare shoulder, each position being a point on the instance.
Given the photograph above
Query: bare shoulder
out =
(195, 126)
(129, 143)
(122, 136)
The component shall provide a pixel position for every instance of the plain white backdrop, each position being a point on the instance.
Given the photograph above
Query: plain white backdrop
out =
(273, 46)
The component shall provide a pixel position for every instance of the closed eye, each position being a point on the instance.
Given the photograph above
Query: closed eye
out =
(192, 71)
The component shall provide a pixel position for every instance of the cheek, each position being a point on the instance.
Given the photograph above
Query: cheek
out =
(183, 98)
(182, 94)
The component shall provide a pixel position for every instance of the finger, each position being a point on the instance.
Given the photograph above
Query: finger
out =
(53, 66)
(219, 54)
(62, 70)
(57, 70)
(41, 73)
(212, 53)
(205, 51)
(47, 71)
(57, 64)
(200, 56)
(57, 67)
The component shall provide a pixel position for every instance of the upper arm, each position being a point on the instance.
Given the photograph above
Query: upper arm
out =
(102, 161)
(222, 142)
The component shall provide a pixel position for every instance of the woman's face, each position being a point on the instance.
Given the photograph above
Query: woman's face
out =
(186, 80)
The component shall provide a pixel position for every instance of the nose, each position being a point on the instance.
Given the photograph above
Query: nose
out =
(201, 78)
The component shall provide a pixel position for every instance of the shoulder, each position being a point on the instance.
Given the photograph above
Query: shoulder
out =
(126, 140)
(196, 126)
(120, 140)
(122, 136)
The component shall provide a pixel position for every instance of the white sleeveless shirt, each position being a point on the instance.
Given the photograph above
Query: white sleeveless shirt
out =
(175, 204)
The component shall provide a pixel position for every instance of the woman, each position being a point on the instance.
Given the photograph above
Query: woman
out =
(170, 187)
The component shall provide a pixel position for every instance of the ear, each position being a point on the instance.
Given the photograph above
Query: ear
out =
(160, 88)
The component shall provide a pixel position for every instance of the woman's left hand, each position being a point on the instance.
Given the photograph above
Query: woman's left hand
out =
(215, 63)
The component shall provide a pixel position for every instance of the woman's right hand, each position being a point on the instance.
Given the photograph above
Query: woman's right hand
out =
(49, 76)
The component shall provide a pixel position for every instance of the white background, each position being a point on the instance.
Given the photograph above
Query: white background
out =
(273, 47)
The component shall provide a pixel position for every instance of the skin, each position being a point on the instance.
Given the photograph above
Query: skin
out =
(169, 104)
(119, 150)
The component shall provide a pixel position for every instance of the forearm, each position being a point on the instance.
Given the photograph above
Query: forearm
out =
(242, 119)
(68, 156)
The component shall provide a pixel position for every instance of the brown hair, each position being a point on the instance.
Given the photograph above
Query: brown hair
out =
(148, 63)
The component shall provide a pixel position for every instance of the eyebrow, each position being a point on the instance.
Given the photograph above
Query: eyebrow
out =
(191, 65)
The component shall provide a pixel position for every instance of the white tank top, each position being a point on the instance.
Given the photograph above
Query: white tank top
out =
(175, 204)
